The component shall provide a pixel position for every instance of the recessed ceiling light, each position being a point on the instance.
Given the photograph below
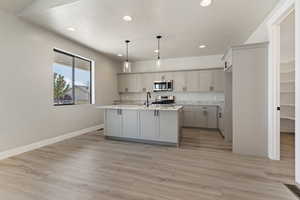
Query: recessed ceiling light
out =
(205, 3)
(127, 18)
(120, 55)
(71, 29)
(202, 46)
(156, 50)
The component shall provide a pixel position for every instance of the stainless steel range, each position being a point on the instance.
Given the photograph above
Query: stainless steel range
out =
(164, 100)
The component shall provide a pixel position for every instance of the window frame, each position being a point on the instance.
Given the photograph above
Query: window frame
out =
(73, 77)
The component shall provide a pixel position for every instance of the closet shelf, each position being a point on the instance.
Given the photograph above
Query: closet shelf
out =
(288, 105)
(287, 117)
(288, 62)
(291, 92)
(287, 72)
(292, 81)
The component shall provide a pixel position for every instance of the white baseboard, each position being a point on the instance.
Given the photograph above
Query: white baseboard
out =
(36, 145)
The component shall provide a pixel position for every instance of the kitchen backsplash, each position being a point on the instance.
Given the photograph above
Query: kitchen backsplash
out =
(179, 97)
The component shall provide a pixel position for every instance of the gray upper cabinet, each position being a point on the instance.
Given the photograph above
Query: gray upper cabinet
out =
(179, 81)
(121, 81)
(145, 82)
(218, 80)
(127, 83)
(165, 76)
(184, 81)
(193, 81)
(205, 78)
(199, 81)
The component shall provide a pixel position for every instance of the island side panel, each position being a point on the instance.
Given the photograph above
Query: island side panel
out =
(168, 123)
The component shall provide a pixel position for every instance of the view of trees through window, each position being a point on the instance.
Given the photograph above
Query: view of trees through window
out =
(71, 79)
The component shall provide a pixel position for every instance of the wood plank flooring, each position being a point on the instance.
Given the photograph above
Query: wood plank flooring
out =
(89, 167)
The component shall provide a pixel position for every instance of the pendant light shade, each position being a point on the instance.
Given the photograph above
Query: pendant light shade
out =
(127, 64)
(158, 62)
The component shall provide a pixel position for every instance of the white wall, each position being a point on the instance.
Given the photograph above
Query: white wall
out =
(213, 61)
(287, 39)
(261, 33)
(26, 106)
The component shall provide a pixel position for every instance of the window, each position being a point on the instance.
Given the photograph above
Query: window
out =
(72, 78)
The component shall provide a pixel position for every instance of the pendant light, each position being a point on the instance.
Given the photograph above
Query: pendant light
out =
(127, 64)
(158, 50)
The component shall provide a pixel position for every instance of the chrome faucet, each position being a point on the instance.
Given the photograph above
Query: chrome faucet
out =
(147, 101)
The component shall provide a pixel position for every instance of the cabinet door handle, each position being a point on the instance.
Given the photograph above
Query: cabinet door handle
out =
(157, 113)
(220, 115)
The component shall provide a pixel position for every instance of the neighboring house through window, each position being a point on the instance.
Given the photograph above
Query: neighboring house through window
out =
(72, 79)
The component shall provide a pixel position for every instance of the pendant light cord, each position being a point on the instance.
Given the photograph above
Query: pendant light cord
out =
(127, 42)
(158, 46)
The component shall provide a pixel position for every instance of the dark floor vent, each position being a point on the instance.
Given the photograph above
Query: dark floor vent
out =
(294, 189)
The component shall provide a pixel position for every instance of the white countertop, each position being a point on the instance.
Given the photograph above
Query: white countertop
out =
(141, 107)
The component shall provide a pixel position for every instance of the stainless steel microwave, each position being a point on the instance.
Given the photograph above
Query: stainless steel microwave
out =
(161, 86)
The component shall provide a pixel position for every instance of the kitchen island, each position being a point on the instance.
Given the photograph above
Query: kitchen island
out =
(154, 124)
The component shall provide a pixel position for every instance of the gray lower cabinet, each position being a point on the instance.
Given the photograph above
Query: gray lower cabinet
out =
(212, 115)
(113, 123)
(200, 117)
(130, 125)
(196, 117)
(149, 125)
(218, 81)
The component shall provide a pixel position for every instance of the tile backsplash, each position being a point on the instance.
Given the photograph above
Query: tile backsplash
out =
(179, 97)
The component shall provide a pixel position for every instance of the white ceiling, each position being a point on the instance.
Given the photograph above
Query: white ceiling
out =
(184, 24)
(14, 6)
(287, 38)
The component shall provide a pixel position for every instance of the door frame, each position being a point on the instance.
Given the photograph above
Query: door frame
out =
(274, 77)
(273, 25)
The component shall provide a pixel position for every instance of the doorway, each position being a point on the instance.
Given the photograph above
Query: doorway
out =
(284, 9)
(287, 91)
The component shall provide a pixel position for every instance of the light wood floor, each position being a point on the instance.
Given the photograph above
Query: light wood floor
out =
(89, 167)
